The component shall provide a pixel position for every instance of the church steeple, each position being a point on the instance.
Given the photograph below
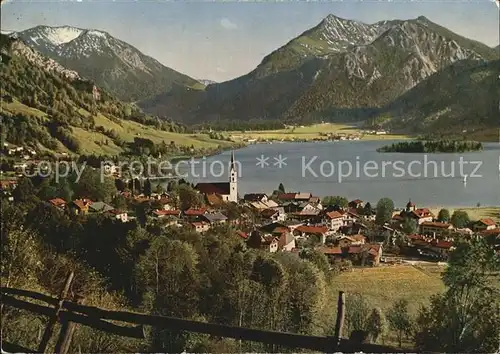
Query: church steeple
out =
(233, 167)
(233, 179)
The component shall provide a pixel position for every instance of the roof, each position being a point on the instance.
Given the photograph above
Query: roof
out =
(242, 234)
(312, 229)
(358, 238)
(357, 201)
(57, 202)
(303, 196)
(254, 197)
(354, 249)
(440, 225)
(487, 222)
(267, 213)
(443, 244)
(116, 212)
(374, 250)
(166, 212)
(330, 250)
(491, 232)
(334, 215)
(213, 199)
(214, 217)
(314, 200)
(307, 213)
(268, 239)
(285, 239)
(222, 188)
(422, 213)
(100, 206)
(287, 196)
(195, 212)
(82, 203)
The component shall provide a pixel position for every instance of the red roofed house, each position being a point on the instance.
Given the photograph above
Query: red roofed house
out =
(334, 220)
(270, 243)
(356, 203)
(441, 247)
(160, 213)
(332, 253)
(200, 226)
(286, 241)
(227, 191)
(422, 215)
(305, 230)
(430, 227)
(194, 214)
(287, 196)
(58, 203)
(80, 206)
(484, 225)
(346, 241)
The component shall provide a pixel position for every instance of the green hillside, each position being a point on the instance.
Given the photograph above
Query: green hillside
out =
(44, 109)
(463, 96)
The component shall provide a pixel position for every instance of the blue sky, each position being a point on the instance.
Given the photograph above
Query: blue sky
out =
(222, 40)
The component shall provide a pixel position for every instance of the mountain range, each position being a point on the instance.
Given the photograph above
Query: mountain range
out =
(111, 63)
(339, 70)
(54, 110)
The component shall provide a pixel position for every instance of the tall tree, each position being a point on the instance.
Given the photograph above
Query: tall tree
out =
(444, 215)
(466, 318)
(367, 209)
(281, 188)
(385, 207)
(357, 311)
(376, 324)
(335, 201)
(460, 219)
(410, 226)
(24, 190)
(400, 320)
(147, 187)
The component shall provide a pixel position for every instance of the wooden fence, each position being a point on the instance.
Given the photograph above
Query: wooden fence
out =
(72, 313)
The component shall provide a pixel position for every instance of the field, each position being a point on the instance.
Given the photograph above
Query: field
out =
(476, 213)
(383, 285)
(310, 133)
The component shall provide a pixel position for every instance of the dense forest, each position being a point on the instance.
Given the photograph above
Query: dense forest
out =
(432, 146)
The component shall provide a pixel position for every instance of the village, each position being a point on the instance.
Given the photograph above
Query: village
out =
(346, 233)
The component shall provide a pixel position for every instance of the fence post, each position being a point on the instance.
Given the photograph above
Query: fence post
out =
(339, 325)
(53, 320)
(66, 334)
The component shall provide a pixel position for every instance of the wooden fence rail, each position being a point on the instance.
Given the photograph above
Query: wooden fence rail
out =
(71, 312)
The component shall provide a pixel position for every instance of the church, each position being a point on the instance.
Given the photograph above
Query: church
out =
(227, 191)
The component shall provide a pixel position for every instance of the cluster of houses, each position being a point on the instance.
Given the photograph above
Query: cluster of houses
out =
(288, 222)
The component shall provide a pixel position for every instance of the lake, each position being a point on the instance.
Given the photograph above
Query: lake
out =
(355, 170)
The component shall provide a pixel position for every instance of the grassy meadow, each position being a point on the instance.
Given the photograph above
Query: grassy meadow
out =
(383, 285)
(475, 213)
(93, 142)
(311, 132)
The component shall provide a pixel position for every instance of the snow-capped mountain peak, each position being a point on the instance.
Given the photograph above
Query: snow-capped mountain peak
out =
(112, 63)
(60, 35)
